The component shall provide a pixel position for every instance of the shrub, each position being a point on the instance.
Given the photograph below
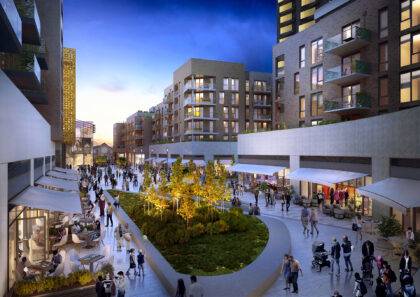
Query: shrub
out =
(107, 269)
(197, 230)
(389, 226)
(221, 227)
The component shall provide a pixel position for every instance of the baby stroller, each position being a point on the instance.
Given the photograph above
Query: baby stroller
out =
(320, 256)
(367, 270)
(408, 289)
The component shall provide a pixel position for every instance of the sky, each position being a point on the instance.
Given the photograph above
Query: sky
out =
(127, 50)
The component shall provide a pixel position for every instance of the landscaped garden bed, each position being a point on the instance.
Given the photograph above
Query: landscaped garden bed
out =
(183, 218)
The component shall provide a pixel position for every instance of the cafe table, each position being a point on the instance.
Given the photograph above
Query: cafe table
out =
(90, 260)
(43, 267)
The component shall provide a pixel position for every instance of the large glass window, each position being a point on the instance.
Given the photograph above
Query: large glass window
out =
(383, 23)
(349, 31)
(280, 65)
(349, 94)
(307, 13)
(410, 14)
(18, 174)
(306, 25)
(317, 104)
(225, 83)
(286, 29)
(383, 57)
(221, 98)
(410, 87)
(346, 67)
(286, 18)
(409, 49)
(302, 53)
(302, 107)
(317, 77)
(285, 7)
(383, 92)
(317, 51)
(297, 84)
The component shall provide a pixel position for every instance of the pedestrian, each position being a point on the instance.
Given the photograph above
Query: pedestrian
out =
(336, 294)
(132, 264)
(119, 236)
(294, 273)
(286, 270)
(405, 266)
(288, 198)
(368, 249)
(256, 196)
(335, 255)
(117, 201)
(101, 205)
(107, 284)
(347, 249)
(283, 201)
(360, 289)
(120, 284)
(140, 261)
(314, 220)
(357, 227)
(304, 218)
(180, 289)
(388, 277)
(380, 290)
(109, 211)
(99, 287)
(106, 179)
(127, 185)
(196, 289)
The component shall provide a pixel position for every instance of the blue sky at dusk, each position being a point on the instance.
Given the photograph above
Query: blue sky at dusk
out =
(127, 50)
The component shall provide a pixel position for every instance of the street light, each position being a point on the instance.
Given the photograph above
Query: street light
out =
(167, 158)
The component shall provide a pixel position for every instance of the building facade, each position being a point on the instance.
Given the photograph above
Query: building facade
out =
(138, 133)
(69, 96)
(118, 143)
(103, 153)
(210, 102)
(81, 153)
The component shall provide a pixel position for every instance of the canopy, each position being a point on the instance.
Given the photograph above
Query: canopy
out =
(149, 159)
(199, 163)
(170, 161)
(224, 162)
(40, 198)
(325, 177)
(159, 160)
(58, 183)
(65, 170)
(399, 193)
(256, 169)
(67, 176)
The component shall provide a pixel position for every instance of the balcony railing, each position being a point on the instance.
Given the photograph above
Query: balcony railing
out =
(348, 41)
(261, 103)
(23, 69)
(266, 89)
(199, 87)
(12, 35)
(198, 101)
(262, 117)
(30, 21)
(354, 103)
(201, 116)
(199, 131)
(348, 73)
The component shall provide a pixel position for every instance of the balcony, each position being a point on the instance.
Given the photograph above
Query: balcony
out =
(280, 72)
(260, 89)
(261, 104)
(190, 86)
(31, 24)
(23, 69)
(348, 42)
(191, 101)
(348, 73)
(10, 27)
(199, 131)
(359, 103)
(262, 117)
(40, 53)
(202, 117)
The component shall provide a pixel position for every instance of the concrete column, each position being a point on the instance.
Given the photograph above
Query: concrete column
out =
(32, 173)
(4, 229)
(294, 165)
(43, 166)
(380, 171)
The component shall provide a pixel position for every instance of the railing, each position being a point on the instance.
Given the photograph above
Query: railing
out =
(264, 117)
(355, 67)
(358, 100)
(193, 100)
(13, 15)
(261, 103)
(262, 89)
(28, 9)
(347, 36)
(198, 130)
(26, 62)
(201, 87)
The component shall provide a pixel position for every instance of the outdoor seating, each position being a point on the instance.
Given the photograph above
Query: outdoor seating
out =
(339, 213)
(326, 210)
(63, 239)
(77, 240)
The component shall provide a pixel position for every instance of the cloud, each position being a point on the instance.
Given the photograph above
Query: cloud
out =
(113, 87)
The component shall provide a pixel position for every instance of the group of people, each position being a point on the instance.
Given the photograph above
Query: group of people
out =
(111, 286)
(290, 270)
(309, 217)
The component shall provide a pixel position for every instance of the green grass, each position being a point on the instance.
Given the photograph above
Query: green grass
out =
(207, 254)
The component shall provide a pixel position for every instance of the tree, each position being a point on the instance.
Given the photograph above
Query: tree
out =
(187, 207)
(176, 185)
(147, 176)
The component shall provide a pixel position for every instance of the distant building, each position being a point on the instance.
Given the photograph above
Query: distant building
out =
(81, 153)
(103, 151)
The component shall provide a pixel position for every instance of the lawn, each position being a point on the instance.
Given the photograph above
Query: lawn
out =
(208, 251)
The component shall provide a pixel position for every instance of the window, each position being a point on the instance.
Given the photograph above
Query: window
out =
(410, 87)
(280, 65)
(235, 99)
(410, 14)
(285, 7)
(225, 83)
(383, 57)
(409, 49)
(226, 127)
(297, 84)
(307, 13)
(306, 25)
(347, 64)
(247, 85)
(286, 18)
(302, 107)
(286, 29)
(221, 98)
(383, 92)
(302, 56)
(349, 32)
(315, 122)
(317, 104)
(306, 2)
(247, 99)
(225, 112)
(383, 23)
(317, 77)
(234, 84)
(349, 95)
(317, 51)
(235, 112)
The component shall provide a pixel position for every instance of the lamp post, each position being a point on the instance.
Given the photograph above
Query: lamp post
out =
(167, 158)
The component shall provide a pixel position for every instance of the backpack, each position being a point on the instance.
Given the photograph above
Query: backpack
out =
(107, 287)
(362, 287)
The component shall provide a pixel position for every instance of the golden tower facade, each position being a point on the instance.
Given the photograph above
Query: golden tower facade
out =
(69, 95)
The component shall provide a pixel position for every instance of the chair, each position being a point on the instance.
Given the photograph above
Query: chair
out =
(63, 239)
(77, 240)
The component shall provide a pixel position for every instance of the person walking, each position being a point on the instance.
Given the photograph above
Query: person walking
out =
(335, 255)
(359, 286)
(180, 289)
(347, 249)
(294, 273)
(405, 266)
(283, 201)
(120, 284)
(304, 218)
(256, 196)
(196, 289)
(102, 205)
(109, 211)
(286, 270)
(358, 226)
(140, 262)
(380, 290)
(106, 179)
(108, 285)
(132, 264)
(117, 201)
(99, 287)
(288, 198)
(313, 218)
(119, 236)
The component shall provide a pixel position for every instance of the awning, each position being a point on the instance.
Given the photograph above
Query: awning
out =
(65, 170)
(400, 193)
(224, 162)
(159, 160)
(149, 159)
(57, 183)
(170, 161)
(256, 169)
(325, 177)
(67, 176)
(199, 163)
(40, 198)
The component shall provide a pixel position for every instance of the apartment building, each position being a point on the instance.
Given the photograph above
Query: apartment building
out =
(347, 104)
(118, 143)
(30, 124)
(35, 64)
(208, 104)
(102, 152)
(81, 152)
